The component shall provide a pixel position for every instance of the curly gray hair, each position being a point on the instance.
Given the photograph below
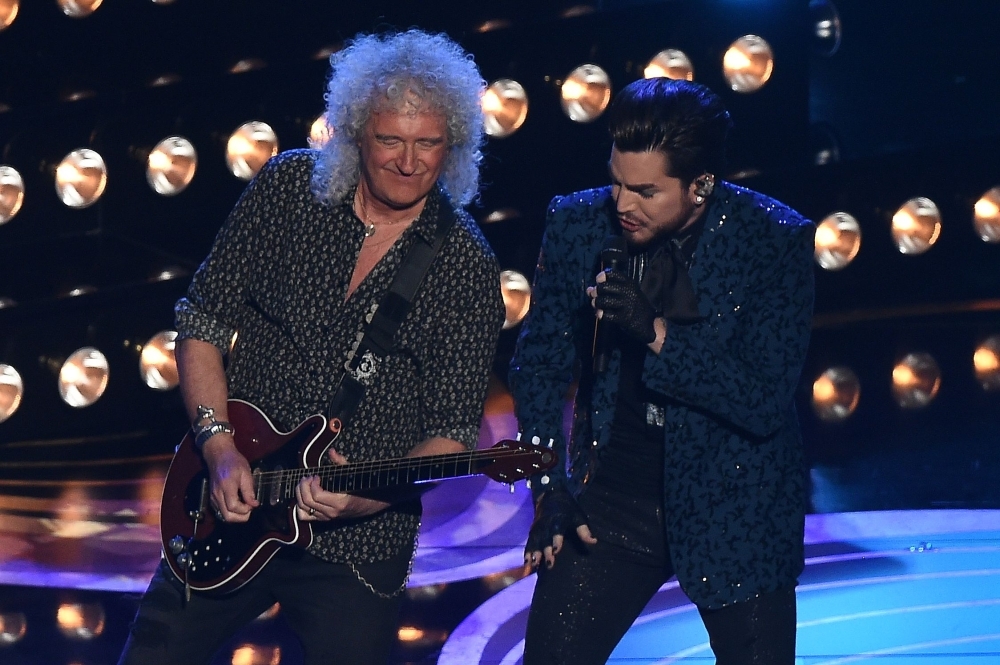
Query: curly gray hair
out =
(373, 70)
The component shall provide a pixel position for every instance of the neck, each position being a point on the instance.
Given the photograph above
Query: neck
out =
(371, 210)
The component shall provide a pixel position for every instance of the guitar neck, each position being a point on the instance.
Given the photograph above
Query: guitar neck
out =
(403, 471)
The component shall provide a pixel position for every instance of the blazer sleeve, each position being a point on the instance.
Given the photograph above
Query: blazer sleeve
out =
(541, 370)
(748, 378)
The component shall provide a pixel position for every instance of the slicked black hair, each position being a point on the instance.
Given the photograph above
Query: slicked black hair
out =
(686, 121)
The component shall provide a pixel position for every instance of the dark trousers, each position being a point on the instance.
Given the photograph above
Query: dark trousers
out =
(335, 616)
(584, 605)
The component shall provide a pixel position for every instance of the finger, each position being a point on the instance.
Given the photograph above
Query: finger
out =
(336, 457)
(601, 277)
(583, 531)
(557, 543)
(549, 556)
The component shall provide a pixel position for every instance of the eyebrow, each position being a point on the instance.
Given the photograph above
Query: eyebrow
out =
(436, 140)
(639, 188)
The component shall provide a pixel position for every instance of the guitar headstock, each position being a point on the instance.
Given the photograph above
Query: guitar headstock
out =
(509, 461)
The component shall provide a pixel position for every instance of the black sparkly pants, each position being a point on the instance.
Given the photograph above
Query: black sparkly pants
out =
(584, 605)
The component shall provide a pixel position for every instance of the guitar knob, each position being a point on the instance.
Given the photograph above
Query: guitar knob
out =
(183, 560)
(176, 545)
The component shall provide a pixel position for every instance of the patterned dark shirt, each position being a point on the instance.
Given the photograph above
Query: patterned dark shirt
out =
(278, 275)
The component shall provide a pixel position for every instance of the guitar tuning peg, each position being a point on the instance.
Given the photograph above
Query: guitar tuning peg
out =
(511, 486)
(518, 437)
(552, 442)
(527, 483)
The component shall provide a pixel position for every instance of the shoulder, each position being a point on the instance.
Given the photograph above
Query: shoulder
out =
(290, 164)
(586, 202)
(759, 216)
(467, 236)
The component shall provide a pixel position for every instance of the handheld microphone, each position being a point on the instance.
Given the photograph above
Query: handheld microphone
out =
(614, 256)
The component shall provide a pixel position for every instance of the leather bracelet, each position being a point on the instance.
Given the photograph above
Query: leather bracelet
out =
(203, 434)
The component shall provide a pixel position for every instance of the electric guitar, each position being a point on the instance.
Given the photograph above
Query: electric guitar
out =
(216, 557)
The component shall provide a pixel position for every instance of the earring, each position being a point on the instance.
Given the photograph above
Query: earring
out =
(704, 187)
(698, 200)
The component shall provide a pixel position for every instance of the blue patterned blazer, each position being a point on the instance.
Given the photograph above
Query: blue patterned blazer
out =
(734, 481)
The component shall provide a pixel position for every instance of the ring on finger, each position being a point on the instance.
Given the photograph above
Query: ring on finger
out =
(312, 512)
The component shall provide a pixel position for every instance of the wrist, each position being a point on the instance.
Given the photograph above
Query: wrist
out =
(202, 434)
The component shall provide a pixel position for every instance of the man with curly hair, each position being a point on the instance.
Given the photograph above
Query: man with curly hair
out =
(312, 245)
(685, 455)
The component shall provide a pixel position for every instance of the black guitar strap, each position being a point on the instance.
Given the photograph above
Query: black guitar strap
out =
(378, 337)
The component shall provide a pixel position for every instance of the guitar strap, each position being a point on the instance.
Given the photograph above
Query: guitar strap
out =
(378, 336)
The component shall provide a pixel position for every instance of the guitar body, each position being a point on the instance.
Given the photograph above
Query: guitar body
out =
(224, 556)
(216, 557)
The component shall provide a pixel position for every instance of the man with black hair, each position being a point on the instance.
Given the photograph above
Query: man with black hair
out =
(684, 457)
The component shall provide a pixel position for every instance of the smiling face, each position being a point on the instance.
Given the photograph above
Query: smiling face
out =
(649, 202)
(402, 155)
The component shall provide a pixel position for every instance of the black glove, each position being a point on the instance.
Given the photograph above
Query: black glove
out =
(556, 512)
(626, 306)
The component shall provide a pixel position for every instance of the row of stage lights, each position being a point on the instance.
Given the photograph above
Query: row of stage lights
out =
(83, 376)
(81, 176)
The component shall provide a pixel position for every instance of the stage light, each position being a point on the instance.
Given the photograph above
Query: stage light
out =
(82, 621)
(748, 63)
(7, 302)
(586, 93)
(425, 592)
(986, 360)
(415, 637)
(11, 193)
(79, 8)
(252, 144)
(671, 64)
(577, 10)
(247, 65)
(516, 292)
(838, 239)
(82, 290)
(496, 582)
(319, 133)
(836, 394)
(168, 273)
(164, 80)
(11, 391)
(256, 654)
(502, 215)
(157, 365)
(492, 24)
(916, 226)
(81, 178)
(13, 626)
(8, 12)
(987, 218)
(162, 2)
(270, 613)
(83, 378)
(915, 380)
(505, 107)
(171, 165)
(826, 27)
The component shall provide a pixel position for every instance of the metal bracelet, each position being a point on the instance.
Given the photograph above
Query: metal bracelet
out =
(203, 434)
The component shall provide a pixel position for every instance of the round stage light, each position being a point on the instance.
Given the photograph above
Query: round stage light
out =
(836, 394)
(252, 144)
(79, 8)
(171, 165)
(157, 364)
(586, 93)
(11, 193)
(83, 378)
(916, 226)
(838, 239)
(748, 64)
(516, 290)
(987, 216)
(505, 107)
(81, 621)
(8, 12)
(256, 654)
(319, 133)
(13, 626)
(81, 178)
(826, 27)
(671, 64)
(986, 361)
(501, 215)
(11, 391)
(916, 380)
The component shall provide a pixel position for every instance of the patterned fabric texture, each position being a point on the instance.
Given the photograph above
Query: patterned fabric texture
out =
(278, 275)
(734, 481)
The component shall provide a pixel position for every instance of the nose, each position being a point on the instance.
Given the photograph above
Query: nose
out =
(407, 161)
(623, 201)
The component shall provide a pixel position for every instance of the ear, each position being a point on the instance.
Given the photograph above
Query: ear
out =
(701, 188)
